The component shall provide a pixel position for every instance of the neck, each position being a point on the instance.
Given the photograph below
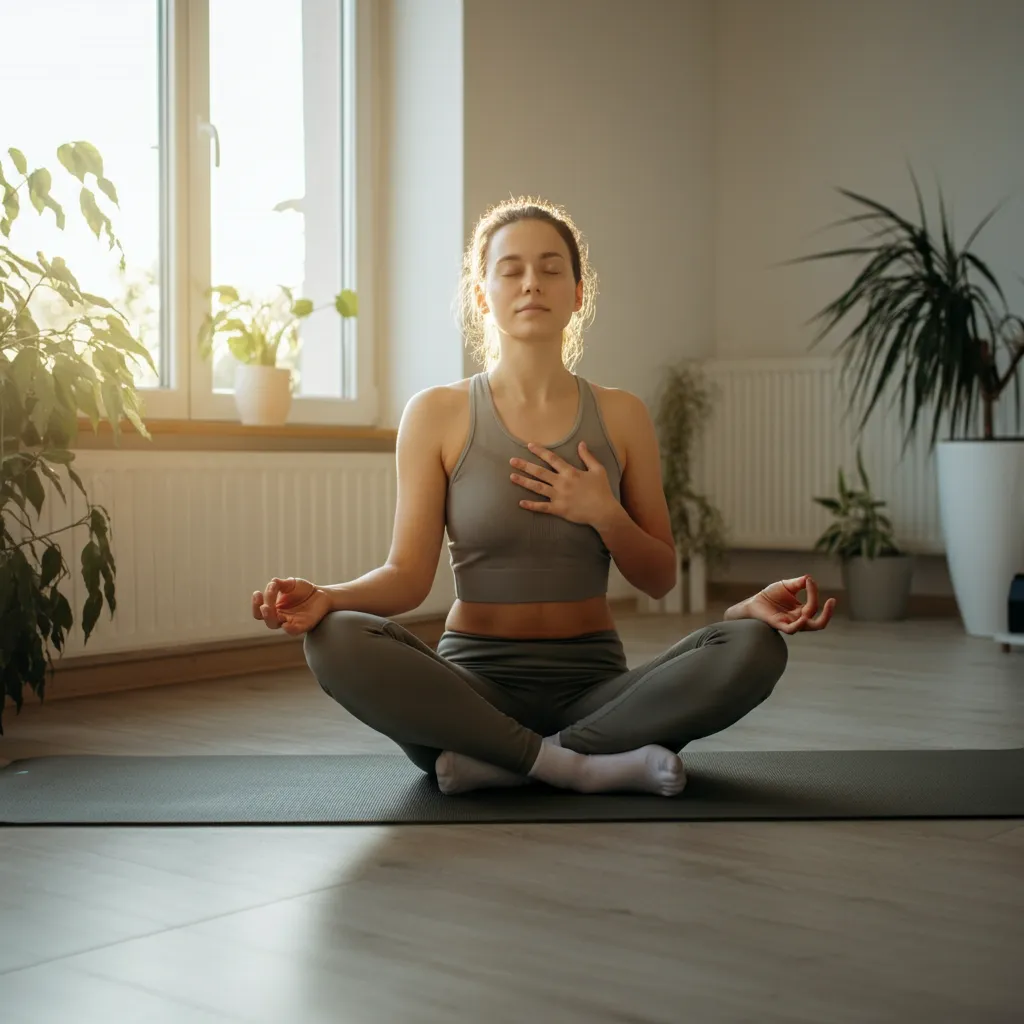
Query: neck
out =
(531, 371)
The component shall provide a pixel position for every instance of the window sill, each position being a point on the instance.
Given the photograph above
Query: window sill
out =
(227, 435)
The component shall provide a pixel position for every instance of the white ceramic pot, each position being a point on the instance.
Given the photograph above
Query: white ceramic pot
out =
(263, 394)
(981, 505)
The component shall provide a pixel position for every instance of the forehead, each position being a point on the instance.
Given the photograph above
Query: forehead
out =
(526, 238)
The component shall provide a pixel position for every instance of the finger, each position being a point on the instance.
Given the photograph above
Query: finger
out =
(588, 460)
(286, 585)
(792, 626)
(270, 617)
(270, 594)
(533, 485)
(556, 461)
(257, 602)
(537, 506)
(826, 614)
(292, 626)
(811, 604)
(541, 472)
(795, 585)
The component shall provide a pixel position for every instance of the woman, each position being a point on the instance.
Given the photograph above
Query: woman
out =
(540, 479)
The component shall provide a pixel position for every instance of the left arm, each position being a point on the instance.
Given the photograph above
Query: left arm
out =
(638, 532)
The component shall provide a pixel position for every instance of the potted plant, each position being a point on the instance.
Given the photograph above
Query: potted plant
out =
(682, 411)
(262, 334)
(50, 374)
(876, 573)
(930, 322)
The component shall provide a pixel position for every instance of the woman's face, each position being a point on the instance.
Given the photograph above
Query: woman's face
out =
(529, 288)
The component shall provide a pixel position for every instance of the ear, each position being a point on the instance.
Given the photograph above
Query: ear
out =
(481, 299)
(579, 297)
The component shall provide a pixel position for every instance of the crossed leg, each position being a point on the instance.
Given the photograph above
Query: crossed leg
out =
(702, 684)
(468, 732)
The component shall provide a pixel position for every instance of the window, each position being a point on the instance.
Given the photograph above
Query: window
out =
(233, 131)
(84, 74)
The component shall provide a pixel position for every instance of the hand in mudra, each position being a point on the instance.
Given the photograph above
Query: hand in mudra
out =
(294, 605)
(780, 606)
(578, 495)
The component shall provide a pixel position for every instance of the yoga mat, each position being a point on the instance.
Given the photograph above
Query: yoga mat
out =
(362, 789)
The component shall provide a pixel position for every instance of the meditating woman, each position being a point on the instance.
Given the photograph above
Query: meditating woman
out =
(540, 478)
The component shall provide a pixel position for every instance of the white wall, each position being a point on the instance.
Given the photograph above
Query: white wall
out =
(810, 95)
(605, 107)
(697, 143)
(421, 167)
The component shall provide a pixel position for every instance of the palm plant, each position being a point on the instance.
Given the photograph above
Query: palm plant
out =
(931, 318)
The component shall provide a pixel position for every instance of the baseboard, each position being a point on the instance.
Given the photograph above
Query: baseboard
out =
(134, 670)
(919, 606)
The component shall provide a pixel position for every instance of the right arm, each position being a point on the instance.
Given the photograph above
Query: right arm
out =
(403, 582)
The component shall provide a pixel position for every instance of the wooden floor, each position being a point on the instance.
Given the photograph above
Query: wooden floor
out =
(666, 922)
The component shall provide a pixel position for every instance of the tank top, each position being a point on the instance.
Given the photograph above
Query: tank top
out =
(501, 552)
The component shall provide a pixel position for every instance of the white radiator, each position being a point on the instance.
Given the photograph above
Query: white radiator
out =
(195, 533)
(779, 433)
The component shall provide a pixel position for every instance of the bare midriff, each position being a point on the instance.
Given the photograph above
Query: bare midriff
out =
(538, 621)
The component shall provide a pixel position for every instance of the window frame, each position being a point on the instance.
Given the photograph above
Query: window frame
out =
(185, 224)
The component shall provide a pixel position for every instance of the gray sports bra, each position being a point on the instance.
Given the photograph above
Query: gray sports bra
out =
(501, 552)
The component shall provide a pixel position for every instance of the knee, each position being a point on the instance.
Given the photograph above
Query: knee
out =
(336, 650)
(761, 655)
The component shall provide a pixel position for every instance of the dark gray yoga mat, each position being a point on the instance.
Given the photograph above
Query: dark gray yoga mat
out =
(379, 789)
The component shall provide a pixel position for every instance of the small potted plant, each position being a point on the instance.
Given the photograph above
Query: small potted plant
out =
(682, 411)
(876, 573)
(262, 335)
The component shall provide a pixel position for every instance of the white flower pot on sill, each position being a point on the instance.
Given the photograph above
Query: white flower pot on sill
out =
(263, 395)
(981, 506)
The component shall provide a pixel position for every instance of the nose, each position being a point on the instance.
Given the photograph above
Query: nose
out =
(531, 280)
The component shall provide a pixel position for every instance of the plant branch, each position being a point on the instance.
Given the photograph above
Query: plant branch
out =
(53, 533)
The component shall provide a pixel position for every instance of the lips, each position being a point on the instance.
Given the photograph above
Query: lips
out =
(526, 309)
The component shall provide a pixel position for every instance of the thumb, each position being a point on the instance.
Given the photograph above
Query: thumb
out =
(285, 586)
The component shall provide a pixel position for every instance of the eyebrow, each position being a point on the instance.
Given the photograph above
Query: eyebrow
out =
(543, 256)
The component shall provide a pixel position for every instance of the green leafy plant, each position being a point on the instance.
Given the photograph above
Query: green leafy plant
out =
(259, 331)
(683, 408)
(930, 318)
(861, 529)
(49, 376)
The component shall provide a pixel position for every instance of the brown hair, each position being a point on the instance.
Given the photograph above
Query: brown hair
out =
(471, 321)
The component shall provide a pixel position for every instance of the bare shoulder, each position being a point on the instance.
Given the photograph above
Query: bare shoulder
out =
(626, 418)
(436, 404)
(619, 402)
(438, 416)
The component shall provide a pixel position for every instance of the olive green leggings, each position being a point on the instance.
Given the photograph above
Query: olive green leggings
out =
(495, 699)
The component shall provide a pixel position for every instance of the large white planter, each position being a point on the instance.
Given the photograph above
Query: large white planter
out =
(981, 506)
(263, 394)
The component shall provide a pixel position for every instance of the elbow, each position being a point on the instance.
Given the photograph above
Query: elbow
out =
(409, 588)
(666, 582)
